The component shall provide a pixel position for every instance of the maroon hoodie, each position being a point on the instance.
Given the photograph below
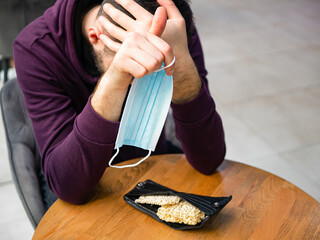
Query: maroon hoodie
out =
(74, 141)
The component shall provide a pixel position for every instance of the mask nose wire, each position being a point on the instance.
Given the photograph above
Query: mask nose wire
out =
(162, 68)
(126, 166)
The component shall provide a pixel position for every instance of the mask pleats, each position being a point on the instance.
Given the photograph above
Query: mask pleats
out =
(145, 112)
(153, 118)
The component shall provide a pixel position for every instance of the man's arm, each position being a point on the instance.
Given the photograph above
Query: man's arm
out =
(76, 147)
(198, 125)
(139, 53)
(201, 132)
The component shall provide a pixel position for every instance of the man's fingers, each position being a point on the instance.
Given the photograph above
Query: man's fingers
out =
(160, 50)
(113, 30)
(112, 45)
(149, 62)
(151, 49)
(136, 62)
(172, 10)
(136, 10)
(165, 49)
(134, 68)
(119, 17)
(159, 21)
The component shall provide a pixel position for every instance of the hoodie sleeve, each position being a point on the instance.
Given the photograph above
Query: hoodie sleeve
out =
(198, 124)
(75, 148)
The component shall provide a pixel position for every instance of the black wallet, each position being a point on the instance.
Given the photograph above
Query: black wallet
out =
(208, 205)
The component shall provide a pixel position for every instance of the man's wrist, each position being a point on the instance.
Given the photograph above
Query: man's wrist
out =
(107, 99)
(187, 82)
(188, 94)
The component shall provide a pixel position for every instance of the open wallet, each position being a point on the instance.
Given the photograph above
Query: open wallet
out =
(206, 204)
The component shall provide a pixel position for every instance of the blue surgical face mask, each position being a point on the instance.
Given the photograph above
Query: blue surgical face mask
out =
(145, 113)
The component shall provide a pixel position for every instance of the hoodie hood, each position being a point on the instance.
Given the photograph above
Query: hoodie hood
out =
(60, 20)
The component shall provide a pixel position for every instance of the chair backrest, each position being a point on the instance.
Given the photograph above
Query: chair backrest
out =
(18, 13)
(22, 150)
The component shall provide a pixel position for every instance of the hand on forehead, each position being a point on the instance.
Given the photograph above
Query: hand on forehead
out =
(131, 16)
(143, 23)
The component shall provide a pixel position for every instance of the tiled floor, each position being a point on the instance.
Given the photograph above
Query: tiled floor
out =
(263, 59)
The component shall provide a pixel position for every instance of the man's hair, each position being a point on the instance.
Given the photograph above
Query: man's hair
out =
(151, 6)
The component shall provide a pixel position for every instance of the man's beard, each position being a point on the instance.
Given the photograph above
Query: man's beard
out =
(98, 58)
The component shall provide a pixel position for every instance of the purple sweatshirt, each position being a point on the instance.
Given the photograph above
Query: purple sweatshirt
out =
(75, 143)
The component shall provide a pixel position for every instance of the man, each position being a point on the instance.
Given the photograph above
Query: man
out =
(75, 69)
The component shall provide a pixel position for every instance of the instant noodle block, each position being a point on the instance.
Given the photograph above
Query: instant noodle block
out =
(181, 211)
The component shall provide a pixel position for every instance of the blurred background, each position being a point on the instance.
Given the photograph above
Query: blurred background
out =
(263, 59)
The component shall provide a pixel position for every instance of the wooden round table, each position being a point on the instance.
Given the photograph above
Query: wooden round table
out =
(263, 206)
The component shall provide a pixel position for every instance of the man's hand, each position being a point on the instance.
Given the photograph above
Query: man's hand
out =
(175, 32)
(139, 53)
(187, 83)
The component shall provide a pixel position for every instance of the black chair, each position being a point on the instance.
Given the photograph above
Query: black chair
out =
(4, 66)
(14, 16)
(23, 153)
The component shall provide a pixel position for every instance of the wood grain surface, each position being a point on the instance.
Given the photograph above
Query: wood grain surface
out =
(263, 206)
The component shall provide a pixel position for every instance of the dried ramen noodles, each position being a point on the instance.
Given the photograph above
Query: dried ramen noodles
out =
(173, 209)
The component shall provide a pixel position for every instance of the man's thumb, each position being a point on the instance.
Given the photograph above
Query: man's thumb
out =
(159, 21)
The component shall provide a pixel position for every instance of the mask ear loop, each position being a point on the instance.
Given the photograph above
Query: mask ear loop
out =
(162, 68)
(126, 166)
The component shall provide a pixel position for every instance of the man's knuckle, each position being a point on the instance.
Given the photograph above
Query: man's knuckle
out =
(141, 72)
(153, 64)
(133, 36)
(120, 57)
(126, 3)
(166, 49)
(171, 4)
(148, 22)
(160, 58)
(110, 28)
(126, 44)
(115, 14)
(106, 7)
(182, 22)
